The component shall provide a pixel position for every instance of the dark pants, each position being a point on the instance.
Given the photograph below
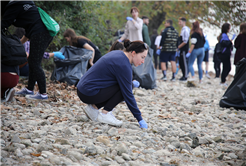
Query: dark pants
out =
(217, 68)
(8, 81)
(156, 61)
(107, 98)
(226, 67)
(183, 63)
(38, 44)
(24, 71)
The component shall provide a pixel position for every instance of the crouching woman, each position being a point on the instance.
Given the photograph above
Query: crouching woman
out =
(109, 81)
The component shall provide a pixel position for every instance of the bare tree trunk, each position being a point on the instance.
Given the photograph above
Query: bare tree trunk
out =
(156, 21)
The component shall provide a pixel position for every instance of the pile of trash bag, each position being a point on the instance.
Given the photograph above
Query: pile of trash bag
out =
(145, 74)
(73, 67)
(235, 95)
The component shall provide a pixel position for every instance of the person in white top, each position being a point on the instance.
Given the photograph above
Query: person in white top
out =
(158, 41)
(157, 44)
(133, 28)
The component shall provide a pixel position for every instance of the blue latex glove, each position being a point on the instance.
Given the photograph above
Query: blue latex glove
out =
(177, 54)
(129, 18)
(143, 124)
(187, 55)
(135, 83)
(119, 40)
(158, 52)
(59, 55)
(233, 37)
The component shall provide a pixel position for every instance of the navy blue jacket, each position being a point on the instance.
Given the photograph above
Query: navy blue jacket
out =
(112, 69)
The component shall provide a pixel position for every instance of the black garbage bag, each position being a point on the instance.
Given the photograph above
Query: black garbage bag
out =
(145, 74)
(73, 67)
(235, 95)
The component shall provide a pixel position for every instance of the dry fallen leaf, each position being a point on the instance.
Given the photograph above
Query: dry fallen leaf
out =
(36, 154)
(22, 100)
(3, 107)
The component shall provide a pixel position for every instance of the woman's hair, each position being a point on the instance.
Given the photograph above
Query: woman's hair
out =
(20, 32)
(3, 4)
(196, 28)
(116, 46)
(134, 8)
(243, 28)
(74, 38)
(225, 28)
(137, 46)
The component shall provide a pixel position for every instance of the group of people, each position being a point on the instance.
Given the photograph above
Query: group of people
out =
(108, 80)
(175, 49)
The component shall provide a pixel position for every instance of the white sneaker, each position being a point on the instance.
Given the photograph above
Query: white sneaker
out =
(9, 94)
(91, 112)
(208, 76)
(109, 118)
(191, 79)
(224, 84)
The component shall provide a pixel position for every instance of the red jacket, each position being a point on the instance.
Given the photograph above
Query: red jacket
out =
(240, 45)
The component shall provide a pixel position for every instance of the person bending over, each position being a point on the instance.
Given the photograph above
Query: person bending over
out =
(109, 82)
(82, 42)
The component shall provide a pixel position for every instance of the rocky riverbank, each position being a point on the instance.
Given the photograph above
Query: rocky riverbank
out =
(186, 128)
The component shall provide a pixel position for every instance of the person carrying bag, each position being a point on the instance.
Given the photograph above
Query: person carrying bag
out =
(25, 14)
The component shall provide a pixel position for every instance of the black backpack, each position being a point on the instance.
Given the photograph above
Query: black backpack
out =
(12, 50)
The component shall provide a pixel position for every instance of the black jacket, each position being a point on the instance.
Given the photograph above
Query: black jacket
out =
(169, 39)
(216, 57)
(23, 14)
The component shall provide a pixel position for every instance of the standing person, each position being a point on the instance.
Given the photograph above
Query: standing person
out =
(206, 57)
(157, 44)
(153, 46)
(145, 31)
(25, 14)
(109, 82)
(216, 61)
(240, 45)
(183, 47)
(169, 46)
(82, 42)
(134, 26)
(196, 50)
(24, 68)
(225, 56)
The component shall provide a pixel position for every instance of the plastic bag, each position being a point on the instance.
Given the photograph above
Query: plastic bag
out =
(73, 67)
(235, 95)
(145, 74)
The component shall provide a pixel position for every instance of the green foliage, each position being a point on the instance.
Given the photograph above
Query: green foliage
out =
(100, 20)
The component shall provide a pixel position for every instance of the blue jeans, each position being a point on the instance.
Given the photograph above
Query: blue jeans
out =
(199, 54)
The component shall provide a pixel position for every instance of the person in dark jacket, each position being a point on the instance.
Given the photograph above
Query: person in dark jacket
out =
(82, 42)
(216, 61)
(225, 56)
(109, 82)
(196, 50)
(153, 46)
(25, 14)
(169, 46)
(240, 45)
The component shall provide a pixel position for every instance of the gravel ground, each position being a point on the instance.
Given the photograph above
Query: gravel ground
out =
(186, 128)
